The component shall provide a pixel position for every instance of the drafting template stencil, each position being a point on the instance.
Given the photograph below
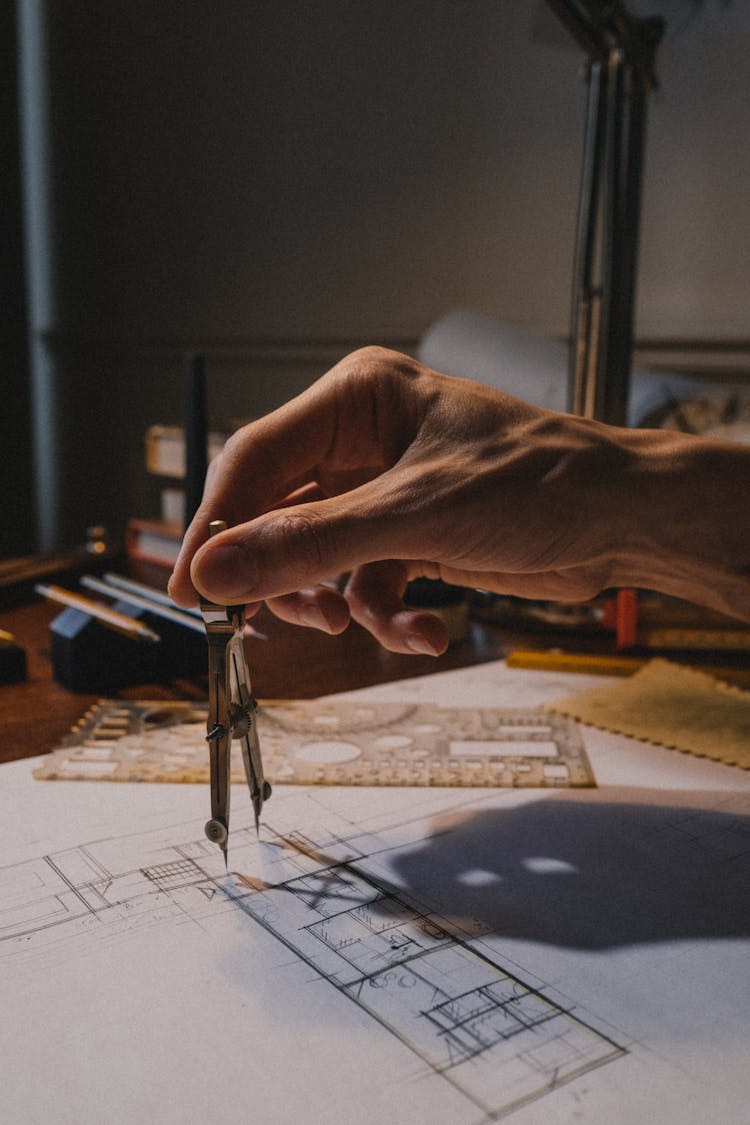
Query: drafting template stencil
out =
(330, 742)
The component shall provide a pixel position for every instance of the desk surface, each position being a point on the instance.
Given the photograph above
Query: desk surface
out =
(450, 956)
(294, 663)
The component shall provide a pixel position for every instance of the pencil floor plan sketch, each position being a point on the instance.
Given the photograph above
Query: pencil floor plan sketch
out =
(383, 956)
(470, 1031)
(496, 1039)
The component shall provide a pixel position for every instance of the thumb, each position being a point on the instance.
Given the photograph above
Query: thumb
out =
(290, 548)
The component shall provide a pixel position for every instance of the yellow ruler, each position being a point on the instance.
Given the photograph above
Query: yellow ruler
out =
(553, 660)
(603, 665)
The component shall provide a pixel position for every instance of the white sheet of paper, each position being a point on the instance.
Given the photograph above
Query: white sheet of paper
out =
(392, 955)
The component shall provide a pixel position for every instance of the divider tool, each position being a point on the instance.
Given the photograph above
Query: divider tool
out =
(231, 713)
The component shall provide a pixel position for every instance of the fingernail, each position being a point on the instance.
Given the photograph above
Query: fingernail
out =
(227, 571)
(313, 616)
(420, 645)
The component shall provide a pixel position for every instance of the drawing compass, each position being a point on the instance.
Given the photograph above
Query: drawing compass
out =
(231, 713)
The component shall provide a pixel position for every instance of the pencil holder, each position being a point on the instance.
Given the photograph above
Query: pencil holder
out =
(89, 657)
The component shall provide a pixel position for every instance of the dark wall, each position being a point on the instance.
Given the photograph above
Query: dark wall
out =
(273, 183)
(17, 532)
(307, 169)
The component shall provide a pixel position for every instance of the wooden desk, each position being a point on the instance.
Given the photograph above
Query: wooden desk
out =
(292, 663)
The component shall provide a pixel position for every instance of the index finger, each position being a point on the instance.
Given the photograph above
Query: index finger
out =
(260, 465)
(354, 422)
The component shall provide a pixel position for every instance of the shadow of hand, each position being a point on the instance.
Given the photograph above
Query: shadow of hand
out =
(576, 871)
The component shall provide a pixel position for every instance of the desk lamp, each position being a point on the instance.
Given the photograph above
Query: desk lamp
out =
(620, 73)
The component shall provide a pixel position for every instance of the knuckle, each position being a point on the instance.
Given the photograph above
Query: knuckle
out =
(235, 448)
(371, 354)
(304, 538)
(375, 362)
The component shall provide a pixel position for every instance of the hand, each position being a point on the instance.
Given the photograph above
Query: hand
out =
(389, 471)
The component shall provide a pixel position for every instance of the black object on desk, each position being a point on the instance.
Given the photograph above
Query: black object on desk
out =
(196, 434)
(12, 660)
(87, 656)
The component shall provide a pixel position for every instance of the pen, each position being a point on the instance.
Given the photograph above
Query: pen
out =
(151, 598)
(128, 626)
(129, 594)
(130, 586)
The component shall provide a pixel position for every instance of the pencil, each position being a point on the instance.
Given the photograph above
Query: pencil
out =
(128, 626)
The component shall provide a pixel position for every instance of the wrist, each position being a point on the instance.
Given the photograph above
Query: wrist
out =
(680, 519)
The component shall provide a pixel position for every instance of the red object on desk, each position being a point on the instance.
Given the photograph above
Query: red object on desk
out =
(626, 619)
(621, 614)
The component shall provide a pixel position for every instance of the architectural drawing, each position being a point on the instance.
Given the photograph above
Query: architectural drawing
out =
(330, 742)
(383, 955)
(482, 1029)
(497, 1040)
(398, 919)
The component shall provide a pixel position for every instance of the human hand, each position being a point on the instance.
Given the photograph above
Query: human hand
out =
(389, 471)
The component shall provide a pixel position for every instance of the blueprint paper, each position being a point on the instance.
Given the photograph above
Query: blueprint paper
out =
(394, 955)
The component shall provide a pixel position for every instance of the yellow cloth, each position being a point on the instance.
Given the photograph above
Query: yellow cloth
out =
(671, 705)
